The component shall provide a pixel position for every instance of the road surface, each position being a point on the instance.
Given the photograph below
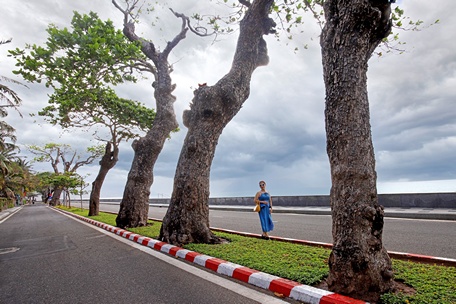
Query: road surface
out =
(427, 237)
(48, 257)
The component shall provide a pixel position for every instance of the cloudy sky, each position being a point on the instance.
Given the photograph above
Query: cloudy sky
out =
(279, 134)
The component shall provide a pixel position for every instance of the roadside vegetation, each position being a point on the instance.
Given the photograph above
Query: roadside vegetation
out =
(418, 283)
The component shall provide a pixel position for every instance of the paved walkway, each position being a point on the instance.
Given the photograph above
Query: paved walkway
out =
(8, 212)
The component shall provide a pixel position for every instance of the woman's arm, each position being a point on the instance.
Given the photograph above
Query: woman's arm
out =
(256, 200)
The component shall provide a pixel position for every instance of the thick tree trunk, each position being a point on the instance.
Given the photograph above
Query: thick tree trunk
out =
(212, 108)
(359, 264)
(107, 162)
(134, 207)
(55, 201)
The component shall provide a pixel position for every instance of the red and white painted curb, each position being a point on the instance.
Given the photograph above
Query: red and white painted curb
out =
(287, 288)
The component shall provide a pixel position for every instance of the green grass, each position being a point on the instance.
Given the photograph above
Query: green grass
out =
(308, 265)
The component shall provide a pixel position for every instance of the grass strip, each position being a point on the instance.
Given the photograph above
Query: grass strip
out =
(432, 284)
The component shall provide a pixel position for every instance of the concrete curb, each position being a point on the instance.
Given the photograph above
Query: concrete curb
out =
(5, 214)
(287, 288)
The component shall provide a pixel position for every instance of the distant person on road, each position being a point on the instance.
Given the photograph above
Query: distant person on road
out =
(49, 198)
(263, 198)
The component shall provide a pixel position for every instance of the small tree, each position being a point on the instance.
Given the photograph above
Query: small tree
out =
(80, 189)
(80, 64)
(69, 159)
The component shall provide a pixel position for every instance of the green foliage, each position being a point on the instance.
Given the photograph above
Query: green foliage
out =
(290, 16)
(15, 173)
(103, 217)
(8, 98)
(433, 283)
(298, 263)
(63, 154)
(81, 64)
(65, 180)
(7, 95)
(92, 54)
(152, 229)
(6, 203)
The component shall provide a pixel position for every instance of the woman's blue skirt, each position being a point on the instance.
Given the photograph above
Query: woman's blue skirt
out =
(265, 218)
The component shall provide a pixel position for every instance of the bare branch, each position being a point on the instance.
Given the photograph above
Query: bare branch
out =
(245, 2)
(199, 30)
(6, 41)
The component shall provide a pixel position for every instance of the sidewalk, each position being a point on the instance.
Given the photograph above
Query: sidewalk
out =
(8, 212)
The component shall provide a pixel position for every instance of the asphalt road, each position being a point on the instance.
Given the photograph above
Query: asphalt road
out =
(47, 257)
(428, 237)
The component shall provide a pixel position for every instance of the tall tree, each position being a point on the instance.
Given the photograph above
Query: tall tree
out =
(60, 155)
(11, 172)
(212, 108)
(134, 207)
(80, 64)
(8, 98)
(359, 264)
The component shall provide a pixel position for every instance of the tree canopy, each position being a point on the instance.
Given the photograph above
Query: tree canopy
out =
(81, 64)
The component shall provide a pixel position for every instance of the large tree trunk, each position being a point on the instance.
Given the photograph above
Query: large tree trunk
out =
(187, 218)
(55, 201)
(107, 162)
(359, 264)
(134, 207)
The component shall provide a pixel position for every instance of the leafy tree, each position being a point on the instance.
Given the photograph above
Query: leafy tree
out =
(12, 174)
(80, 188)
(60, 155)
(8, 95)
(17, 178)
(9, 173)
(212, 108)
(359, 264)
(134, 207)
(69, 182)
(352, 33)
(44, 185)
(8, 98)
(80, 64)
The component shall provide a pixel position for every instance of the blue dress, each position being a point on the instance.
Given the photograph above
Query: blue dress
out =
(265, 216)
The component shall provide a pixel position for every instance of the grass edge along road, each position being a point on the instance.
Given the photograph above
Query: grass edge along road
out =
(308, 265)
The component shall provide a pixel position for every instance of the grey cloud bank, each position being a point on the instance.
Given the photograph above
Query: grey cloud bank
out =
(279, 134)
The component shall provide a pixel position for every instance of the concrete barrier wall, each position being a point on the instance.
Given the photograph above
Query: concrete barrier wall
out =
(415, 200)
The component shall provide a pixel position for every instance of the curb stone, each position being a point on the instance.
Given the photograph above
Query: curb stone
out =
(287, 288)
(5, 214)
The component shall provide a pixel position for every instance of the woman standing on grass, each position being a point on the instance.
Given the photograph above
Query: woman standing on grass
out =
(263, 198)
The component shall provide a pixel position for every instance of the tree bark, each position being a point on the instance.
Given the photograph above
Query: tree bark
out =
(107, 162)
(55, 201)
(212, 108)
(359, 264)
(134, 207)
